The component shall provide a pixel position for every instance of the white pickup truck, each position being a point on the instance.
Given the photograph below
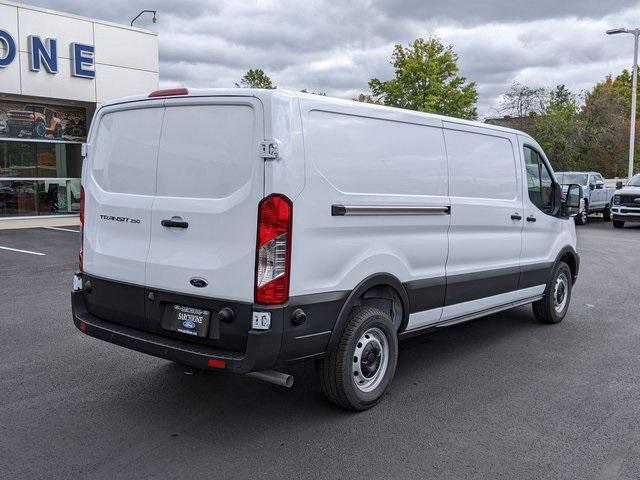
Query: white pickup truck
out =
(626, 203)
(597, 197)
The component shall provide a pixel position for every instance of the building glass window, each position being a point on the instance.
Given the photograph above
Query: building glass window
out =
(39, 178)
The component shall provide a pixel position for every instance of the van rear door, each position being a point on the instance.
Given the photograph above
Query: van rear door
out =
(119, 179)
(210, 179)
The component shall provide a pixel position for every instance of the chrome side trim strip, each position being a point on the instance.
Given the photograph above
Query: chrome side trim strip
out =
(472, 316)
(368, 210)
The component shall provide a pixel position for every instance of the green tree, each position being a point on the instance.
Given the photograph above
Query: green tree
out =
(559, 128)
(427, 79)
(619, 88)
(606, 118)
(255, 78)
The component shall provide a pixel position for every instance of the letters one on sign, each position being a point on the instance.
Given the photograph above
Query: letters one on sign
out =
(44, 54)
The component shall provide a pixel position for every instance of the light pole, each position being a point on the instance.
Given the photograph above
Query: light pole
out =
(632, 133)
(154, 19)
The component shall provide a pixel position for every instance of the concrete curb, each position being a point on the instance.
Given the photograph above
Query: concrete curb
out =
(16, 223)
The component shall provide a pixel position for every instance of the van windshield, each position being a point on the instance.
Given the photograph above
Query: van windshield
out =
(635, 181)
(567, 178)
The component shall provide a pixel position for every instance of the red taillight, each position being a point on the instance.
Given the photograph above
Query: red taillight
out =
(273, 250)
(169, 92)
(83, 326)
(216, 363)
(81, 250)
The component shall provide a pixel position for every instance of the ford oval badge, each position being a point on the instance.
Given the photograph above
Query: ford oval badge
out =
(189, 324)
(198, 282)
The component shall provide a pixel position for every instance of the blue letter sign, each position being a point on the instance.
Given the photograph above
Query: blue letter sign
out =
(9, 45)
(43, 54)
(82, 60)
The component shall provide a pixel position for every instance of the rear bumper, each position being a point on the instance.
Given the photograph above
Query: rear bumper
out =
(262, 351)
(284, 343)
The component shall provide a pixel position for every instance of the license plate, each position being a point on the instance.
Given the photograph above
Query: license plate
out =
(188, 320)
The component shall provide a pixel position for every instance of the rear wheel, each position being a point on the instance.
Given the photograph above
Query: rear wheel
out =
(606, 213)
(554, 305)
(618, 223)
(356, 373)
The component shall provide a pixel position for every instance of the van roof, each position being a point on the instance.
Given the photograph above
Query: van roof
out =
(266, 94)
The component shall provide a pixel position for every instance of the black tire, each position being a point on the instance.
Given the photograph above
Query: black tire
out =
(545, 310)
(618, 223)
(583, 217)
(606, 214)
(337, 368)
(39, 130)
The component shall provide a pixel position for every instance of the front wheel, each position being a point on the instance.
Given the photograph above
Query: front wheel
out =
(583, 217)
(554, 305)
(39, 130)
(618, 223)
(606, 213)
(356, 373)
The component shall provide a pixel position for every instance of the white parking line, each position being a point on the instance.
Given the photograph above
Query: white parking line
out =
(63, 229)
(22, 251)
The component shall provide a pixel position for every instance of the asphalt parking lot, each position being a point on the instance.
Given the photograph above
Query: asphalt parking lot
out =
(499, 397)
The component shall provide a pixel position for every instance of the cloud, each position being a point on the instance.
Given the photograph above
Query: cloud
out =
(337, 47)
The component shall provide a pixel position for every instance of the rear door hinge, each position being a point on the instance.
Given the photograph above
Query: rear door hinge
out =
(269, 149)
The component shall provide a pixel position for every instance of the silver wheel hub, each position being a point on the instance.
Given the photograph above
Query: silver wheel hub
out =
(560, 292)
(370, 360)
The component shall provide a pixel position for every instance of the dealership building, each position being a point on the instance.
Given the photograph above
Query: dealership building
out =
(55, 71)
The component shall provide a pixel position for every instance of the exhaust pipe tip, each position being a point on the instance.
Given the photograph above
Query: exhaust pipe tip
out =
(271, 376)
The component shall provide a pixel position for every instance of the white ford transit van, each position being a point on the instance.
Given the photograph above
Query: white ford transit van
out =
(247, 230)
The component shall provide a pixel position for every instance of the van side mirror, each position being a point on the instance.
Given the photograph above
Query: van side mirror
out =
(592, 186)
(619, 185)
(599, 185)
(571, 201)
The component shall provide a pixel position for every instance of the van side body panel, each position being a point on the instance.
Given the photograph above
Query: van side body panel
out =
(484, 239)
(369, 159)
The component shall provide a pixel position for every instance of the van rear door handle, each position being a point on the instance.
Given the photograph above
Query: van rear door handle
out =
(516, 216)
(531, 218)
(175, 223)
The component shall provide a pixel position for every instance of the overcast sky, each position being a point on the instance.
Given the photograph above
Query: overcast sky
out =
(337, 46)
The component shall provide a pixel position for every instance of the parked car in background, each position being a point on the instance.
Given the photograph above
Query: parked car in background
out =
(626, 203)
(597, 197)
(37, 120)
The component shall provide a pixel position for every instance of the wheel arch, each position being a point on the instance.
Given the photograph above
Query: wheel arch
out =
(370, 284)
(571, 258)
